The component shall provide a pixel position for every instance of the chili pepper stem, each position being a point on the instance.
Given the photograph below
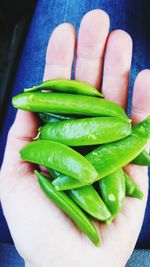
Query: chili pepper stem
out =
(37, 136)
(109, 220)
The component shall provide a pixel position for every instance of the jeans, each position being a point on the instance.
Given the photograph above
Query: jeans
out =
(132, 16)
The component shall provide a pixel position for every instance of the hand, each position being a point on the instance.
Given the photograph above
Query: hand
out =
(43, 235)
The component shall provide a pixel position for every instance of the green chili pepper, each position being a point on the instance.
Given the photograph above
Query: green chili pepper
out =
(50, 117)
(88, 199)
(63, 201)
(46, 118)
(142, 159)
(68, 104)
(112, 188)
(132, 188)
(64, 182)
(110, 157)
(87, 131)
(53, 173)
(69, 86)
(59, 157)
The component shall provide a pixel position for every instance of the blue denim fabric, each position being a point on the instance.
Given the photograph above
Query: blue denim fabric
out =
(10, 258)
(132, 16)
(139, 258)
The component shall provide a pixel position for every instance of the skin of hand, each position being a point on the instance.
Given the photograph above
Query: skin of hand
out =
(43, 235)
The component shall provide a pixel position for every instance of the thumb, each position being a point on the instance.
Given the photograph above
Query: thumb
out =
(23, 130)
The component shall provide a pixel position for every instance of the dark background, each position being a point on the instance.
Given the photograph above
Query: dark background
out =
(15, 18)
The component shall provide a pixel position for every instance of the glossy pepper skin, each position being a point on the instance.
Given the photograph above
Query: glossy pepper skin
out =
(110, 157)
(53, 173)
(86, 131)
(132, 189)
(50, 117)
(68, 104)
(65, 182)
(143, 159)
(69, 86)
(112, 188)
(65, 203)
(59, 157)
(88, 199)
(46, 118)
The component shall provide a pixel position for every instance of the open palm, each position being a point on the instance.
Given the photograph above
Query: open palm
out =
(44, 235)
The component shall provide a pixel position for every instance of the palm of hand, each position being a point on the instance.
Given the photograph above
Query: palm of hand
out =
(43, 235)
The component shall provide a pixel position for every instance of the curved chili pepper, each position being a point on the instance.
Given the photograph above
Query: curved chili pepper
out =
(53, 173)
(64, 202)
(143, 159)
(88, 199)
(86, 131)
(69, 86)
(132, 189)
(46, 118)
(112, 188)
(110, 157)
(59, 157)
(65, 182)
(68, 104)
(51, 117)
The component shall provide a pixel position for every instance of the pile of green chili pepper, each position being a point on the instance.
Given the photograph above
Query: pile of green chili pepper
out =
(84, 142)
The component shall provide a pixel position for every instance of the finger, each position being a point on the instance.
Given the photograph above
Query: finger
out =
(133, 210)
(141, 97)
(117, 67)
(140, 109)
(93, 33)
(23, 130)
(58, 62)
(18, 187)
(14, 171)
(60, 52)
